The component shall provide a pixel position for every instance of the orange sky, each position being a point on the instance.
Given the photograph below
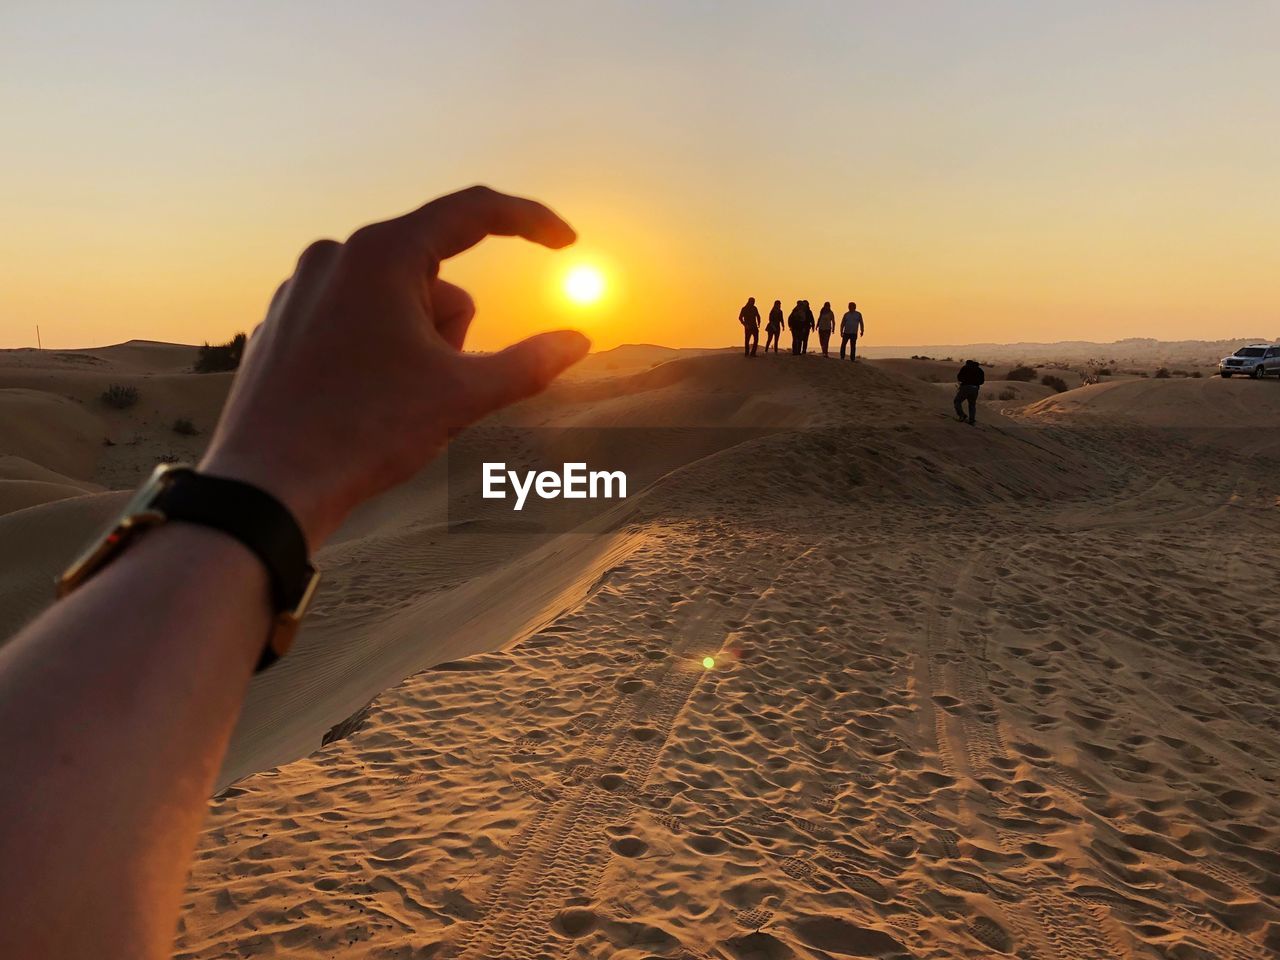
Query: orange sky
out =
(966, 171)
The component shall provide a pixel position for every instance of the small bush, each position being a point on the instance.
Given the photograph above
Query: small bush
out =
(185, 427)
(220, 357)
(120, 396)
(1021, 374)
(1008, 393)
(1196, 374)
(1162, 373)
(1058, 384)
(1104, 371)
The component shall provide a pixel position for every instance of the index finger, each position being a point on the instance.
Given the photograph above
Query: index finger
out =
(451, 224)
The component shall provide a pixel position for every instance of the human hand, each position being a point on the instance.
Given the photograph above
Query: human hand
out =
(356, 377)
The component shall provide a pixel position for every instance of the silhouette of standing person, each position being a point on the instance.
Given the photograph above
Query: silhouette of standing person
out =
(850, 329)
(796, 324)
(826, 323)
(808, 326)
(773, 328)
(970, 380)
(749, 317)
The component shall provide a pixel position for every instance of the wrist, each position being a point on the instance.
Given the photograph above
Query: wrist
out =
(318, 512)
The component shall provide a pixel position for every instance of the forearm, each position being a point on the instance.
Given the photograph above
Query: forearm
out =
(117, 705)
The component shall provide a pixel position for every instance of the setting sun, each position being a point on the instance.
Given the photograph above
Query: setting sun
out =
(584, 284)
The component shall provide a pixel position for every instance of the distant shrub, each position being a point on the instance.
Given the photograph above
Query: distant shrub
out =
(185, 427)
(1162, 373)
(218, 357)
(1008, 393)
(1196, 374)
(1022, 374)
(120, 396)
(1058, 384)
(1104, 371)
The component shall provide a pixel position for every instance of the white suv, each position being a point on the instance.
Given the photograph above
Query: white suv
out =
(1256, 360)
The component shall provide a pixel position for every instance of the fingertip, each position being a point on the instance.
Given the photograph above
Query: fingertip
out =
(555, 352)
(523, 369)
(570, 345)
(561, 235)
(553, 230)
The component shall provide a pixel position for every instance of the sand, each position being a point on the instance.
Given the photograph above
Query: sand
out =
(997, 691)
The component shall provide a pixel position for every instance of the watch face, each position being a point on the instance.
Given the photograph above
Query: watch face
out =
(145, 494)
(135, 516)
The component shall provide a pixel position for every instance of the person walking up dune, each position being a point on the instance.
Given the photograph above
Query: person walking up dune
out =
(826, 323)
(850, 329)
(808, 326)
(970, 380)
(749, 317)
(773, 329)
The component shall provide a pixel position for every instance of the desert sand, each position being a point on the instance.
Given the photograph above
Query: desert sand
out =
(975, 692)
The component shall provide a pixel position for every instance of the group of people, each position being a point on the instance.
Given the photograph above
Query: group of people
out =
(801, 322)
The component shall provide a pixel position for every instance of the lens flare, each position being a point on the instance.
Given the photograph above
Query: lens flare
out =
(708, 662)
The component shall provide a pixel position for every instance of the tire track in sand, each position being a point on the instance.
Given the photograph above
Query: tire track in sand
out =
(562, 852)
(1047, 924)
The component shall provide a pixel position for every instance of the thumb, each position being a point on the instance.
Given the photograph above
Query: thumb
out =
(521, 370)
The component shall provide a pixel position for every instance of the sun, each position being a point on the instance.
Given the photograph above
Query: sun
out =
(584, 284)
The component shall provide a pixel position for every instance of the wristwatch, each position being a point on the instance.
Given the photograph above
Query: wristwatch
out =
(176, 492)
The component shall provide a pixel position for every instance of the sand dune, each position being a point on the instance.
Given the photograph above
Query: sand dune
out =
(1004, 691)
(52, 413)
(934, 371)
(627, 359)
(1188, 403)
(1006, 396)
(944, 371)
(49, 430)
(1142, 352)
(24, 484)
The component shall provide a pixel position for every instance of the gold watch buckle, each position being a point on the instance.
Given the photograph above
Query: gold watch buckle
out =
(285, 627)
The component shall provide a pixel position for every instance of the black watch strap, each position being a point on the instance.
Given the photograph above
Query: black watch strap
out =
(260, 522)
